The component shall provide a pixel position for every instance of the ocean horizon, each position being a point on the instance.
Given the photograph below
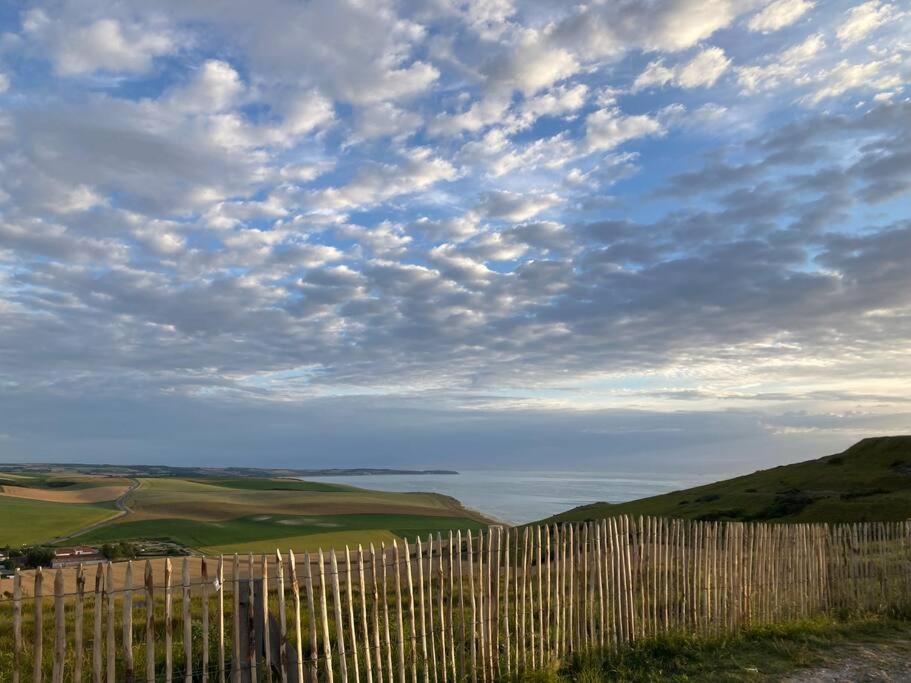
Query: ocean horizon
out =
(520, 497)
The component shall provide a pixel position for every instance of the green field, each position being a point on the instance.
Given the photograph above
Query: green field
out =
(227, 514)
(271, 531)
(871, 481)
(25, 521)
(261, 484)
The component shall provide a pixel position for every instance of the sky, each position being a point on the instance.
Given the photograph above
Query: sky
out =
(667, 234)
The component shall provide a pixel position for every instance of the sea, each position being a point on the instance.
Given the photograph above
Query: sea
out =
(519, 497)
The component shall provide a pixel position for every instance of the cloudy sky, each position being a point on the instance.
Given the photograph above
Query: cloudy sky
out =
(670, 233)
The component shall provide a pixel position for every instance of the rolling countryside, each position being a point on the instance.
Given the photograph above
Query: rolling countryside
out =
(215, 514)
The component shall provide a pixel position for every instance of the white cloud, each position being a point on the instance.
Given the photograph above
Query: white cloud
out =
(608, 128)
(419, 170)
(384, 119)
(558, 101)
(778, 14)
(535, 64)
(703, 70)
(102, 45)
(215, 87)
(878, 75)
(4, 82)
(863, 19)
(787, 68)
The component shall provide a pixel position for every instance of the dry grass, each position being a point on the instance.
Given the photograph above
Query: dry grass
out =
(96, 494)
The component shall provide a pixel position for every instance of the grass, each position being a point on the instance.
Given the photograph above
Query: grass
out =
(27, 521)
(266, 484)
(760, 654)
(336, 540)
(222, 513)
(871, 481)
(271, 531)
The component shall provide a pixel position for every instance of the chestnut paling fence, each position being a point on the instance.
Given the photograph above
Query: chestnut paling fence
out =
(456, 607)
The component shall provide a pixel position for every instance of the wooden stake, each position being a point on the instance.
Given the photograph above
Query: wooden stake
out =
(474, 612)
(264, 614)
(38, 638)
(368, 664)
(17, 625)
(111, 651)
(59, 628)
(433, 647)
(339, 623)
(236, 661)
(296, 607)
(97, 666)
(127, 639)
(204, 573)
(324, 613)
(386, 630)
(442, 615)
(452, 656)
(351, 628)
(507, 561)
(312, 660)
(220, 589)
(78, 619)
(150, 623)
(425, 664)
(251, 619)
(414, 637)
(187, 625)
(282, 616)
(463, 641)
(399, 610)
(377, 647)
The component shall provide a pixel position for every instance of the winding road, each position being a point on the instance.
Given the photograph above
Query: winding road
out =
(122, 509)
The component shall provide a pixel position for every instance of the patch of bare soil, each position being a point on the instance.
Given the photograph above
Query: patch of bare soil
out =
(890, 661)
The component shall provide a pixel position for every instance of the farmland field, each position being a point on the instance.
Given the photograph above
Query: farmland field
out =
(34, 521)
(217, 514)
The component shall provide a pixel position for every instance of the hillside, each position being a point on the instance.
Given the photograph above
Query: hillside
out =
(214, 514)
(870, 481)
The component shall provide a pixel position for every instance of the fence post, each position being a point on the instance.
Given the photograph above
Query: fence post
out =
(59, 628)
(150, 623)
(111, 643)
(78, 618)
(220, 589)
(127, 639)
(282, 618)
(204, 579)
(351, 626)
(296, 601)
(38, 637)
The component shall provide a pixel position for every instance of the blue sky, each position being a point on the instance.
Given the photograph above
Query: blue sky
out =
(492, 233)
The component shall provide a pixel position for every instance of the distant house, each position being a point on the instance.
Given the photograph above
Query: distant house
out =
(80, 554)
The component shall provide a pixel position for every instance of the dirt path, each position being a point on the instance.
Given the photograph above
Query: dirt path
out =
(863, 663)
(121, 506)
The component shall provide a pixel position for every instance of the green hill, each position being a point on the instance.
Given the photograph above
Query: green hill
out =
(870, 481)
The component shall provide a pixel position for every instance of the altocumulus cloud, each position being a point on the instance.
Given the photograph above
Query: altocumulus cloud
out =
(512, 230)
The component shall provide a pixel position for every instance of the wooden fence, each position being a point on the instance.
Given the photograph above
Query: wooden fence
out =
(464, 607)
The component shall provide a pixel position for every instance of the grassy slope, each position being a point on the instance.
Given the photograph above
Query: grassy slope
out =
(24, 521)
(275, 529)
(869, 481)
(224, 515)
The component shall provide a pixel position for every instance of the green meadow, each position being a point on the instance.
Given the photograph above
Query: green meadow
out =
(24, 521)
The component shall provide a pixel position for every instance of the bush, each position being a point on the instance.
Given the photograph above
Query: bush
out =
(118, 551)
(37, 556)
